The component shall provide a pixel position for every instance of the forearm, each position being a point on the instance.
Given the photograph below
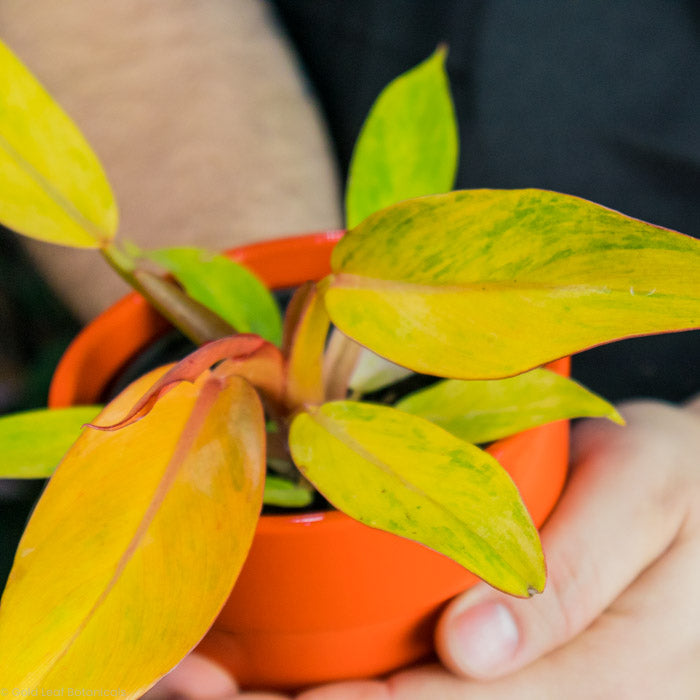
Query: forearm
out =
(199, 115)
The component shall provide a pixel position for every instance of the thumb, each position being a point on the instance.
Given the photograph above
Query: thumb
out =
(620, 511)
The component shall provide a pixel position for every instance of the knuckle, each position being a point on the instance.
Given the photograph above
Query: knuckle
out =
(661, 443)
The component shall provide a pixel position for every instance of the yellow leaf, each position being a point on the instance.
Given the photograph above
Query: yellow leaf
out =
(485, 410)
(137, 541)
(306, 328)
(401, 473)
(52, 185)
(486, 283)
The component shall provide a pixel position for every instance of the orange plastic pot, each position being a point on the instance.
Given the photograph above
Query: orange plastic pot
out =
(321, 597)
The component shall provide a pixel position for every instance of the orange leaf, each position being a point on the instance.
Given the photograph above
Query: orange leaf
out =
(237, 349)
(136, 542)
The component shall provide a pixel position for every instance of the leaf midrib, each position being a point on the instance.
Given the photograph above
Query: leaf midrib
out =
(346, 280)
(346, 439)
(207, 396)
(54, 193)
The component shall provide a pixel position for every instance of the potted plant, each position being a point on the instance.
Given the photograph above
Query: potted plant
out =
(149, 518)
(339, 586)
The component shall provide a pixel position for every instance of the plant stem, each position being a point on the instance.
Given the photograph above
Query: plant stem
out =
(340, 361)
(193, 319)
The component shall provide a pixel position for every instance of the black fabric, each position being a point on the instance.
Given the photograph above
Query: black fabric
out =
(597, 98)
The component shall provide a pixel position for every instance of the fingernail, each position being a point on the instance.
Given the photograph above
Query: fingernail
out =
(483, 638)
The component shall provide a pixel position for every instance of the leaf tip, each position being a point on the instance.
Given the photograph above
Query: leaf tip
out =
(616, 417)
(441, 51)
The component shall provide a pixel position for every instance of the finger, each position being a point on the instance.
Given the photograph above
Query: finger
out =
(195, 677)
(352, 690)
(623, 506)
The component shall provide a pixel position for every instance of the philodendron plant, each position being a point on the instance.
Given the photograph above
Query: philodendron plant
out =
(146, 522)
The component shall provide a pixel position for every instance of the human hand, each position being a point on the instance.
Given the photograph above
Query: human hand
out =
(620, 615)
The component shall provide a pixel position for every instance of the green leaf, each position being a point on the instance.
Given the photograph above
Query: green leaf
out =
(482, 411)
(488, 283)
(403, 474)
(408, 145)
(225, 287)
(34, 442)
(52, 184)
(285, 493)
